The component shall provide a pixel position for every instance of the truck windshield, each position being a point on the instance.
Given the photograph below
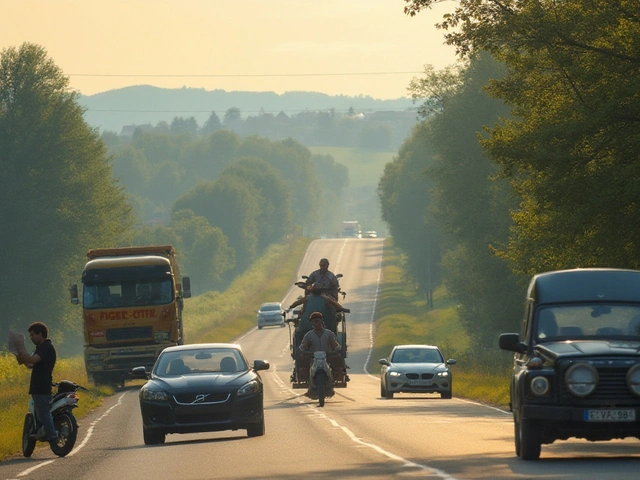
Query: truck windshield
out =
(597, 321)
(128, 293)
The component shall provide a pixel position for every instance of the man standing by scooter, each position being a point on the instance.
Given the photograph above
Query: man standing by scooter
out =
(41, 363)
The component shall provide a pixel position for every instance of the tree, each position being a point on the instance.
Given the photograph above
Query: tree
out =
(211, 125)
(57, 194)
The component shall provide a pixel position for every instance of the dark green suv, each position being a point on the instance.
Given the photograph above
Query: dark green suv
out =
(576, 366)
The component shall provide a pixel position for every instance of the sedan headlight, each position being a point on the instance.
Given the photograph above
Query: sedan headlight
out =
(442, 374)
(539, 385)
(249, 388)
(154, 396)
(394, 374)
(633, 379)
(581, 379)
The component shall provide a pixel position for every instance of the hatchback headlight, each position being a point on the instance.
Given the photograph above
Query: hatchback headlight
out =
(539, 385)
(154, 396)
(633, 379)
(581, 379)
(249, 388)
(394, 374)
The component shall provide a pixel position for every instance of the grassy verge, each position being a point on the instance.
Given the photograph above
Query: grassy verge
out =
(403, 317)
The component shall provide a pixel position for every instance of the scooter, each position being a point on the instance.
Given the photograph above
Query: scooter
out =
(61, 408)
(320, 378)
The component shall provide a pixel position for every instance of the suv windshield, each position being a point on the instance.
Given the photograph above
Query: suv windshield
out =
(595, 321)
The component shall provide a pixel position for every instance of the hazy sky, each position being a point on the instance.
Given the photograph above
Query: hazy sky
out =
(248, 45)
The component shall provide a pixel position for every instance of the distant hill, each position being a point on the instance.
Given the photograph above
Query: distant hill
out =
(145, 104)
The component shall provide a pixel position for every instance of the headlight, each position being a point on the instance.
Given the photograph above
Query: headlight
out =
(581, 379)
(154, 396)
(539, 386)
(442, 374)
(249, 388)
(394, 374)
(633, 379)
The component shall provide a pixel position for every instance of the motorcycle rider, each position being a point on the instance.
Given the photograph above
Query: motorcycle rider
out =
(320, 338)
(327, 280)
(41, 364)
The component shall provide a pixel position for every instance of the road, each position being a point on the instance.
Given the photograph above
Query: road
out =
(357, 435)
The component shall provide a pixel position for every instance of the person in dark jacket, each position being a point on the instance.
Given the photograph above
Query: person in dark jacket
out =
(41, 363)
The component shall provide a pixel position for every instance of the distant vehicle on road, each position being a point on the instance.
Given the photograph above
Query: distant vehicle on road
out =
(207, 387)
(415, 369)
(370, 234)
(271, 313)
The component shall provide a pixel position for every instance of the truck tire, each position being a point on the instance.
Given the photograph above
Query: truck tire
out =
(528, 443)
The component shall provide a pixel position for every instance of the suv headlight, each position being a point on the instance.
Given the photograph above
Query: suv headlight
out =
(581, 379)
(633, 379)
(539, 386)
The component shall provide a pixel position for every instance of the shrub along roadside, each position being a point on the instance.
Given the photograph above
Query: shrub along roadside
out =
(403, 317)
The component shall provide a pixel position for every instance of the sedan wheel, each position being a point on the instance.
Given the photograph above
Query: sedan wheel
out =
(153, 438)
(256, 430)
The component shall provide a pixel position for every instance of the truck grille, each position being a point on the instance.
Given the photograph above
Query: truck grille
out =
(130, 333)
(611, 390)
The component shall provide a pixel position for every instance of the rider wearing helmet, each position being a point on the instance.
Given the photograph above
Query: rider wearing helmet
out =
(320, 338)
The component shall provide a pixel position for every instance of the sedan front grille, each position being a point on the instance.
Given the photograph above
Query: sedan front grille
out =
(416, 376)
(200, 398)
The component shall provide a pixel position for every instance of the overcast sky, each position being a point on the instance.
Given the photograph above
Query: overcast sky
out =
(248, 45)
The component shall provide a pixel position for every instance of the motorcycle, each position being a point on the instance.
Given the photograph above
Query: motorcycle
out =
(61, 408)
(320, 378)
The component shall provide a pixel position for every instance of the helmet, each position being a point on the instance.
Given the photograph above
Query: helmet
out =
(315, 315)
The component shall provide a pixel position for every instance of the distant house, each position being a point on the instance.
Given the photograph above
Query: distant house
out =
(128, 130)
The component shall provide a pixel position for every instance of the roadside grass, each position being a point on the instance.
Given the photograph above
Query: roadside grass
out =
(403, 317)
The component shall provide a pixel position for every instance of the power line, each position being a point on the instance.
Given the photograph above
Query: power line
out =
(236, 75)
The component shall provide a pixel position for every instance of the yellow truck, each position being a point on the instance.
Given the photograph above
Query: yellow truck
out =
(132, 302)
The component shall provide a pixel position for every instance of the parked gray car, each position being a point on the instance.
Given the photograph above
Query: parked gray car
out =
(415, 369)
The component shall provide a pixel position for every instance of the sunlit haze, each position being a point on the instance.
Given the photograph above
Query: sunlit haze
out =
(348, 47)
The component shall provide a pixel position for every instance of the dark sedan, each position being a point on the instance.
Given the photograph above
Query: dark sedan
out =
(201, 388)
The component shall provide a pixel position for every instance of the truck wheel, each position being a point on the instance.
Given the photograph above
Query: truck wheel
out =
(528, 442)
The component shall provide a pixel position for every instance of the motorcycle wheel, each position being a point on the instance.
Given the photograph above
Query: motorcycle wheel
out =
(67, 433)
(28, 444)
(321, 388)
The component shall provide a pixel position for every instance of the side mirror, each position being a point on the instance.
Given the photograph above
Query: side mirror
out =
(73, 292)
(139, 372)
(512, 343)
(383, 361)
(186, 287)
(339, 275)
(451, 361)
(260, 365)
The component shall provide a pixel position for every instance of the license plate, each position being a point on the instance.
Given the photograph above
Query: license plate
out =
(609, 415)
(419, 383)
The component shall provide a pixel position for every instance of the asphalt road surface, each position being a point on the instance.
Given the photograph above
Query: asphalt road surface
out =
(357, 435)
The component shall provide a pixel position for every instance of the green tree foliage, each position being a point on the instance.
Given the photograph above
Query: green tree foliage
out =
(212, 124)
(182, 125)
(571, 148)
(58, 195)
(404, 193)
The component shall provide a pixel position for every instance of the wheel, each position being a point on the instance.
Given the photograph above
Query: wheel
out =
(153, 438)
(383, 392)
(321, 388)
(527, 440)
(259, 327)
(447, 394)
(256, 430)
(67, 433)
(386, 393)
(29, 428)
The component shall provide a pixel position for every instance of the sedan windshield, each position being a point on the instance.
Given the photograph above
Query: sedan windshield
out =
(417, 355)
(270, 308)
(199, 361)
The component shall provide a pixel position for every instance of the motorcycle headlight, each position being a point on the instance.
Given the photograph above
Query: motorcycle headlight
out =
(539, 385)
(249, 388)
(154, 396)
(581, 379)
(633, 379)
(394, 374)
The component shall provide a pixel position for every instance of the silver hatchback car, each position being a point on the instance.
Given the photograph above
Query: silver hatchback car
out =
(415, 369)
(270, 313)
